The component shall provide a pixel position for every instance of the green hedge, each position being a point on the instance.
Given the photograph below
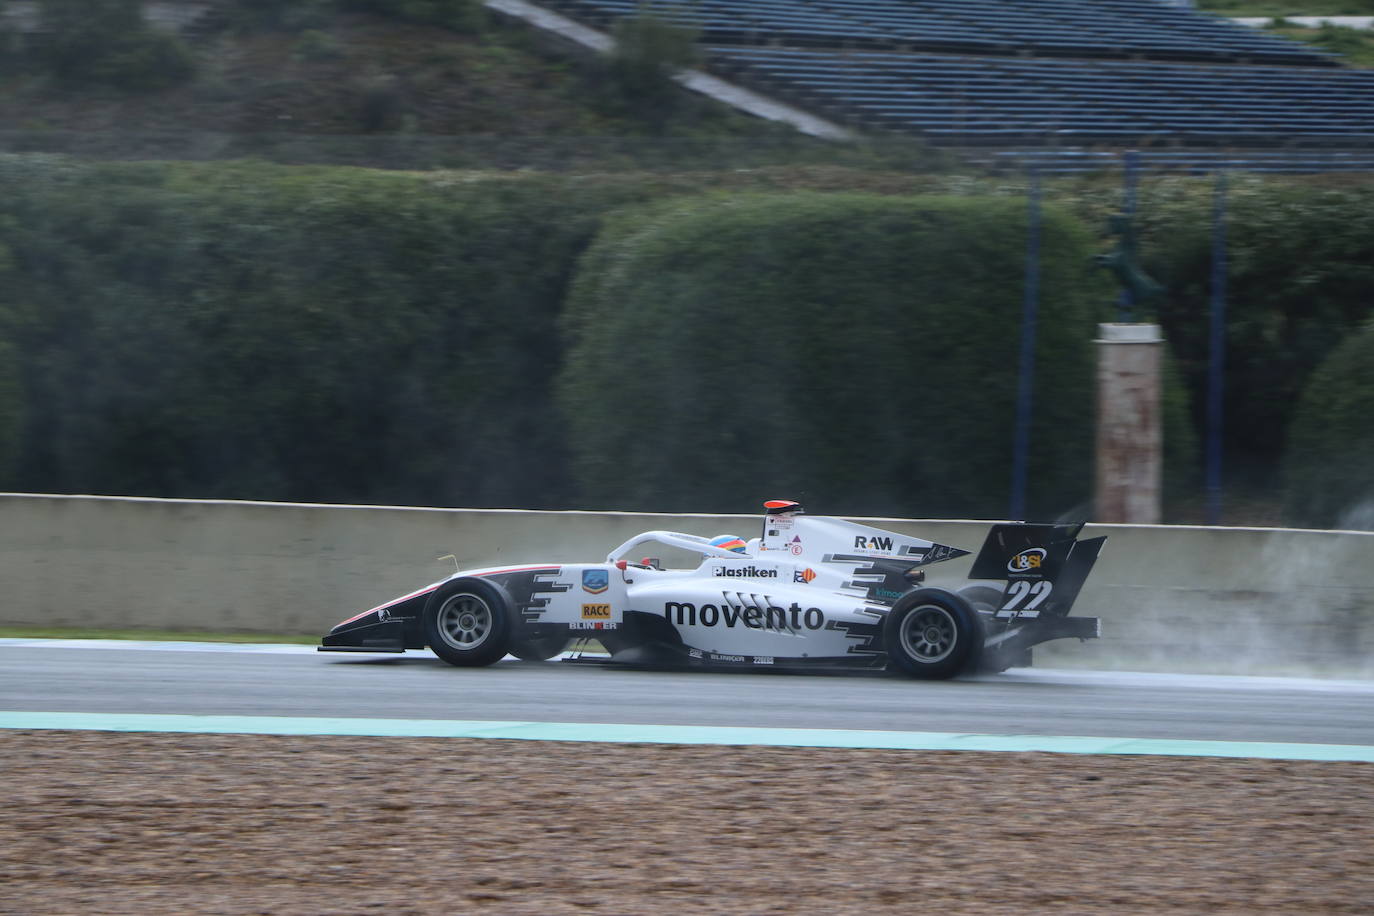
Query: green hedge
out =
(855, 350)
(300, 334)
(1300, 271)
(344, 335)
(1330, 473)
(12, 402)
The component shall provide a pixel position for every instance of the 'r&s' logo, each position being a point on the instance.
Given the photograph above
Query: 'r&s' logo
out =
(1027, 561)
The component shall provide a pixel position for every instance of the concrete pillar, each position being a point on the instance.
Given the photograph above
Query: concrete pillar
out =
(1130, 454)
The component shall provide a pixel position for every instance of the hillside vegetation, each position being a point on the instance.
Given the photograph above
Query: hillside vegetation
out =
(1355, 46)
(349, 72)
(1287, 7)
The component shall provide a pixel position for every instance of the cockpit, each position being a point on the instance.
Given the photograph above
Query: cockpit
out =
(730, 547)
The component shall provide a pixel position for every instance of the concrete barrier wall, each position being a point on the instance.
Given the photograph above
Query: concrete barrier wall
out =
(1230, 599)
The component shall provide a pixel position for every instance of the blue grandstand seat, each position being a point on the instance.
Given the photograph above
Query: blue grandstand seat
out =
(942, 96)
(1098, 28)
(976, 70)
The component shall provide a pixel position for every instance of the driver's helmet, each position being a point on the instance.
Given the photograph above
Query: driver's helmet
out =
(729, 542)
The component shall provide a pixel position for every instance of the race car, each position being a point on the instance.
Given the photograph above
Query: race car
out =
(810, 592)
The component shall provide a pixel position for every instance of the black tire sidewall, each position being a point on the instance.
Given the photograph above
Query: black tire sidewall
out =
(538, 649)
(990, 661)
(968, 635)
(496, 645)
(982, 594)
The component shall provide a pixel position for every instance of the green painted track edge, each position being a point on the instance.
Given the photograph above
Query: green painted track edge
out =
(675, 734)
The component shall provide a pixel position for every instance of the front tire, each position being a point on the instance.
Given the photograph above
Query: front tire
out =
(467, 624)
(932, 634)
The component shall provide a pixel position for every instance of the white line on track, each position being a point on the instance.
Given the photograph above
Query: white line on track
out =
(159, 646)
(1164, 680)
(1160, 680)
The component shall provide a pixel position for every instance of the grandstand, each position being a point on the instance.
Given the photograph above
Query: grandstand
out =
(1016, 73)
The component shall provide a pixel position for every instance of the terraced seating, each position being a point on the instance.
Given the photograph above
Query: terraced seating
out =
(1093, 28)
(1200, 162)
(964, 72)
(971, 100)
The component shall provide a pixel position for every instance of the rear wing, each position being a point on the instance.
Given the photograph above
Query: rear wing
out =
(1044, 566)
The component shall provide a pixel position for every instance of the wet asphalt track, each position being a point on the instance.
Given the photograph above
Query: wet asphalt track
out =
(294, 681)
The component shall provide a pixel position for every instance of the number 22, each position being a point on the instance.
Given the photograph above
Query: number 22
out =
(1027, 596)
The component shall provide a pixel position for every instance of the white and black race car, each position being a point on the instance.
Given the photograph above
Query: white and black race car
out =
(809, 593)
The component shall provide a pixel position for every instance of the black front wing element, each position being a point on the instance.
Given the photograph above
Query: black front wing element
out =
(394, 627)
(373, 636)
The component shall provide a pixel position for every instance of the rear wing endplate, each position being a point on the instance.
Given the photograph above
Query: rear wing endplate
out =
(1044, 566)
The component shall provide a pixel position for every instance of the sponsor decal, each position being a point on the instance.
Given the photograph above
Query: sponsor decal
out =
(865, 636)
(372, 610)
(804, 576)
(1027, 561)
(941, 552)
(886, 593)
(880, 544)
(595, 581)
(592, 625)
(744, 572)
(531, 589)
(694, 653)
(781, 523)
(728, 658)
(795, 617)
(795, 546)
(596, 612)
(384, 613)
(763, 659)
(1025, 595)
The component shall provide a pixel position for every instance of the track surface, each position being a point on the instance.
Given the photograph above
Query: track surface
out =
(227, 680)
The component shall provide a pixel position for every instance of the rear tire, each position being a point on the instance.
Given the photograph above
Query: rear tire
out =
(932, 634)
(985, 598)
(467, 624)
(538, 650)
(982, 597)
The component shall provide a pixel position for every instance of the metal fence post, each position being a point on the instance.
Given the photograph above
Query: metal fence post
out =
(1216, 351)
(1026, 380)
(1125, 303)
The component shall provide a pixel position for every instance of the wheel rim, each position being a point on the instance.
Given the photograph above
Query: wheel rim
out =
(465, 621)
(929, 634)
